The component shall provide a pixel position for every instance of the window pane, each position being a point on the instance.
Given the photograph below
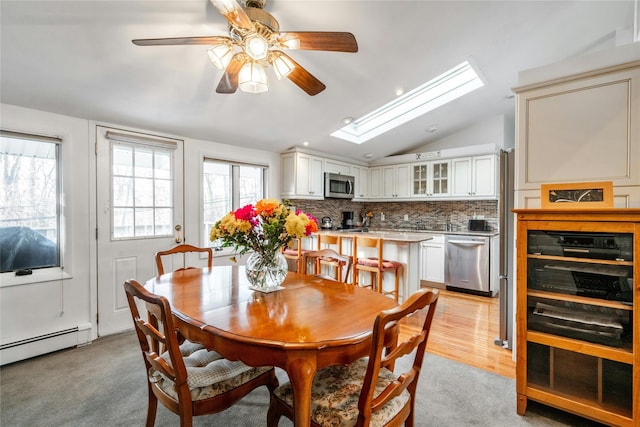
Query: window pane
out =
(144, 222)
(144, 163)
(250, 186)
(144, 192)
(148, 196)
(162, 165)
(122, 191)
(216, 191)
(122, 160)
(122, 223)
(163, 196)
(29, 204)
(220, 190)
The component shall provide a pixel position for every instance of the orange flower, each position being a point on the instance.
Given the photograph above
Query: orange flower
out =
(267, 207)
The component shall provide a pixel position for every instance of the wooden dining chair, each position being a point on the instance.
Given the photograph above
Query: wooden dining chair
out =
(331, 258)
(294, 251)
(184, 248)
(187, 378)
(371, 390)
(376, 266)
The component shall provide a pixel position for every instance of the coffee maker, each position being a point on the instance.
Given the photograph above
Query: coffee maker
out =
(347, 219)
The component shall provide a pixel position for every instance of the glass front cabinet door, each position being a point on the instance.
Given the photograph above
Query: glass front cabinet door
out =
(430, 179)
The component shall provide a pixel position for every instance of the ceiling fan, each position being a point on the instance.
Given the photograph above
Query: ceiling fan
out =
(255, 42)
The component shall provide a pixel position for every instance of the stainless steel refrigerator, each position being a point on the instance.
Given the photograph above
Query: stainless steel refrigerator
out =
(507, 247)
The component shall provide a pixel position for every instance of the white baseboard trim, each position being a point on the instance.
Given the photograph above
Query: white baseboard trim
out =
(35, 346)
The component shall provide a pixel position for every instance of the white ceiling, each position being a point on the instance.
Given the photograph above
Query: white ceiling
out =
(76, 58)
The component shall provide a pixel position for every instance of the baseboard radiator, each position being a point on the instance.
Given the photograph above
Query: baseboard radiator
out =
(42, 344)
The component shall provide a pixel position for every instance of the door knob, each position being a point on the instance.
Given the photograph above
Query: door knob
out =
(178, 233)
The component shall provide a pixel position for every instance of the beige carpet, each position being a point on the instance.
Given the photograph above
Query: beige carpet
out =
(103, 384)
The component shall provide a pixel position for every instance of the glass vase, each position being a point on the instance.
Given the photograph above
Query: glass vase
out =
(266, 271)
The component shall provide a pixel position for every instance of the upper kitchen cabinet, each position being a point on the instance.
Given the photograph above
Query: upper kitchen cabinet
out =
(361, 176)
(395, 181)
(334, 166)
(302, 176)
(474, 177)
(580, 128)
(430, 179)
(389, 182)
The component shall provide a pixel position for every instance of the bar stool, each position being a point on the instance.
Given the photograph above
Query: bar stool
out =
(294, 252)
(376, 266)
(327, 241)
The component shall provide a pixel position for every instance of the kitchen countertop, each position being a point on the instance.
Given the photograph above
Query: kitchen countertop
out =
(390, 235)
(405, 235)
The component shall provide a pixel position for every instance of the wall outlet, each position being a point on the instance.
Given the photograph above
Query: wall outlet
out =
(406, 217)
(381, 216)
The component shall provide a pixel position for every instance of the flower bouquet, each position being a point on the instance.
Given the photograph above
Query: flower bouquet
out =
(264, 229)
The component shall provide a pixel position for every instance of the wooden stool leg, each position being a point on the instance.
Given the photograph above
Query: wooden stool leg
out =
(397, 292)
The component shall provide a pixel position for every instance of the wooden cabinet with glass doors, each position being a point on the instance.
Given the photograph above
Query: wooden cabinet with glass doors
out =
(578, 336)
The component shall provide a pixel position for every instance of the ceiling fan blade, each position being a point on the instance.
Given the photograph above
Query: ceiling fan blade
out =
(304, 79)
(319, 40)
(234, 13)
(229, 81)
(182, 41)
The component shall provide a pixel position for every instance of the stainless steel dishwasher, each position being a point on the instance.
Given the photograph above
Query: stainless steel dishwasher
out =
(467, 264)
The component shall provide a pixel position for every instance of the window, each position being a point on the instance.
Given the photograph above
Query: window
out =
(142, 186)
(30, 207)
(228, 186)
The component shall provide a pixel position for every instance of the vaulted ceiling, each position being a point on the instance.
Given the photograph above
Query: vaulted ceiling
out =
(76, 58)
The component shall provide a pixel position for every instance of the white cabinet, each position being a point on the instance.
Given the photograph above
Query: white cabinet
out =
(430, 179)
(334, 166)
(395, 181)
(302, 176)
(375, 182)
(361, 176)
(580, 128)
(432, 259)
(389, 182)
(474, 177)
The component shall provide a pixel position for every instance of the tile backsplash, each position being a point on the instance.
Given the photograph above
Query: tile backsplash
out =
(430, 215)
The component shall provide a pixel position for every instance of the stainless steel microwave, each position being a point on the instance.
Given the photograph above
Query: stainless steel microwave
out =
(338, 186)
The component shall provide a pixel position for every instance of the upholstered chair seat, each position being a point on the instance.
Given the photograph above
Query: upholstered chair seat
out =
(208, 373)
(335, 393)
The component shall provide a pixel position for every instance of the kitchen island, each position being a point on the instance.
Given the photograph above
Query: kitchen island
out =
(401, 246)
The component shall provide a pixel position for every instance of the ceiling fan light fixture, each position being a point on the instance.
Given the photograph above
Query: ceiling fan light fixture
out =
(252, 78)
(256, 47)
(220, 55)
(225, 6)
(282, 65)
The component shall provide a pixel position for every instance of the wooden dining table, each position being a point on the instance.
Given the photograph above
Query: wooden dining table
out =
(306, 325)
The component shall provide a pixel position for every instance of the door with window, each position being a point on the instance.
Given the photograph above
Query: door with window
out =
(139, 208)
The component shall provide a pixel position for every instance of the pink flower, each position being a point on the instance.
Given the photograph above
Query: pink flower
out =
(246, 213)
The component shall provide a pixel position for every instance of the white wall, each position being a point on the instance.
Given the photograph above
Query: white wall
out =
(46, 303)
(494, 130)
(43, 303)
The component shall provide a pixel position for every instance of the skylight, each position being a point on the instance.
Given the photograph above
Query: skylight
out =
(448, 86)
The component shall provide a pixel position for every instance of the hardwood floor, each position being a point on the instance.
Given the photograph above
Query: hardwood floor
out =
(463, 330)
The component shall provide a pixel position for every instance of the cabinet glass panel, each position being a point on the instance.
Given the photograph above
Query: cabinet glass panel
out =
(440, 178)
(581, 286)
(419, 179)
